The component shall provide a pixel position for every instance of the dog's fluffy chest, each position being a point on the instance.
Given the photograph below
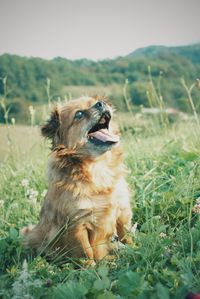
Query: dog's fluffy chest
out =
(94, 194)
(105, 208)
(97, 208)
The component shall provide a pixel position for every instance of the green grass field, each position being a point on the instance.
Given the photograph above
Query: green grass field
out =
(164, 260)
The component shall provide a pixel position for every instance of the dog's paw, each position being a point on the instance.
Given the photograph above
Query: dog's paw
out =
(89, 263)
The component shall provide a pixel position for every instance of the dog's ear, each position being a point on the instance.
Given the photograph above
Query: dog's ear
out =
(51, 128)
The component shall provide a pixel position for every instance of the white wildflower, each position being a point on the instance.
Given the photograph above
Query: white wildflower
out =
(198, 201)
(162, 235)
(25, 182)
(32, 194)
(14, 205)
(196, 208)
(44, 192)
(24, 283)
(120, 245)
(134, 228)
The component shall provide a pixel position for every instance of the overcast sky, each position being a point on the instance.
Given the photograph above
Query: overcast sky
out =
(95, 29)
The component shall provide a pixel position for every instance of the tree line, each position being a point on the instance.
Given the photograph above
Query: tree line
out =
(149, 71)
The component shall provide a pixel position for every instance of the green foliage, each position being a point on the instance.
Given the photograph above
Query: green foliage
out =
(71, 290)
(27, 77)
(131, 285)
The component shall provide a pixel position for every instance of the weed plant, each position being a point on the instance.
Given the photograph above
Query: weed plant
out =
(164, 260)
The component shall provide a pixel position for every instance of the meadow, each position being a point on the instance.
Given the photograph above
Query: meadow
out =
(164, 178)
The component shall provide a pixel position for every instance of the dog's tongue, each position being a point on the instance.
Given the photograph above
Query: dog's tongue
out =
(104, 135)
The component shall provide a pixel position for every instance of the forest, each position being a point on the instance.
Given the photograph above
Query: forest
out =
(28, 81)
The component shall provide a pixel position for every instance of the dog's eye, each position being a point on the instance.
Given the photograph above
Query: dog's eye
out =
(79, 115)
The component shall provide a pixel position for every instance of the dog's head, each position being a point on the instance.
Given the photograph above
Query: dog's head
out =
(83, 125)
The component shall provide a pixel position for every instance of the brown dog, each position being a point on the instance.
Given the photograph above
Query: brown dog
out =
(88, 199)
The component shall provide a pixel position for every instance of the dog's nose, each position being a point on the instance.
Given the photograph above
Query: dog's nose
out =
(99, 105)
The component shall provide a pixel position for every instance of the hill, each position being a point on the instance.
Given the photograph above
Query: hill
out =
(191, 52)
(28, 78)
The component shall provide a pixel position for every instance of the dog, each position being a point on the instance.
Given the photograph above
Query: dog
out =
(87, 201)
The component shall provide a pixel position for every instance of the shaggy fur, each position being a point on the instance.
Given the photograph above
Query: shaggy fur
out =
(87, 199)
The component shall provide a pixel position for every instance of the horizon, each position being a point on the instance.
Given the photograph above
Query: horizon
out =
(99, 60)
(95, 30)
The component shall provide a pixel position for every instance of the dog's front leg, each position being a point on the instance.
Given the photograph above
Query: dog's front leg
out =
(124, 225)
(82, 238)
(99, 242)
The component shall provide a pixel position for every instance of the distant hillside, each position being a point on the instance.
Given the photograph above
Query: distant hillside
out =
(27, 78)
(191, 52)
(150, 51)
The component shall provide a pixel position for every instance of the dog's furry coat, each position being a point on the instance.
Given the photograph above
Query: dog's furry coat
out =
(88, 198)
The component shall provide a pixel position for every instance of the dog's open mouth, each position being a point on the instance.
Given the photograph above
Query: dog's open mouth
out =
(100, 134)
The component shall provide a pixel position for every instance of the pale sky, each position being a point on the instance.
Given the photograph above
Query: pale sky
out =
(95, 29)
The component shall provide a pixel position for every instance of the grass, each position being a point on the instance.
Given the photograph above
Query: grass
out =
(163, 262)
(19, 141)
